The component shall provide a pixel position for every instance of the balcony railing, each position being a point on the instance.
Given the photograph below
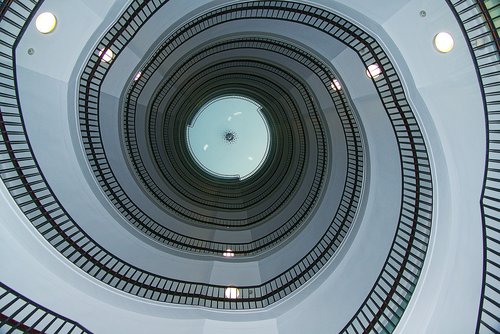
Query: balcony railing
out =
(19, 314)
(391, 292)
(477, 19)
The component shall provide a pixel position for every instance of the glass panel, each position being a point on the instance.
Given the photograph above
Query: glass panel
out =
(229, 137)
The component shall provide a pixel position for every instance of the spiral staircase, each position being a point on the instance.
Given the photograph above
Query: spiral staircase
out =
(267, 166)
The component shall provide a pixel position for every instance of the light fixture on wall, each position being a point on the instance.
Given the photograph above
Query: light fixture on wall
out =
(443, 42)
(232, 292)
(45, 22)
(373, 71)
(228, 253)
(106, 55)
(336, 86)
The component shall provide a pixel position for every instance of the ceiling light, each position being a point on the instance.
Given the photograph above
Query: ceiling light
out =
(443, 42)
(106, 55)
(45, 22)
(137, 76)
(373, 71)
(336, 85)
(232, 293)
(228, 253)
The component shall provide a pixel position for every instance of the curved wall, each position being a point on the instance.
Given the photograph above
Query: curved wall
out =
(457, 165)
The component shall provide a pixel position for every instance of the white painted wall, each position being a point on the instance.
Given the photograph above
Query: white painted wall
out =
(444, 93)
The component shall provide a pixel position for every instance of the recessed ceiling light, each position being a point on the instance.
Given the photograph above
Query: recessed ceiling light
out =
(137, 76)
(373, 71)
(228, 253)
(45, 22)
(336, 85)
(443, 42)
(232, 293)
(106, 55)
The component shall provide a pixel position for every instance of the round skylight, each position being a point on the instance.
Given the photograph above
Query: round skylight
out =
(229, 137)
(443, 42)
(45, 22)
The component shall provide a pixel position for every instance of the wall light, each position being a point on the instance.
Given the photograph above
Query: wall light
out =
(45, 22)
(336, 86)
(106, 55)
(373, 71)
(443, 42)
(232, 293)
(228, 253)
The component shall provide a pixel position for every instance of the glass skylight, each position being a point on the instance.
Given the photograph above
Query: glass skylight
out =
(229, 137)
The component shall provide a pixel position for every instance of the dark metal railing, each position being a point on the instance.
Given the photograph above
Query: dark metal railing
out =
(478, 26)
(174, 105)
(283, 150)
(302, 211)
(405, 261)
(145, 223)
(387, 300)
(25, 182)
(272, 182)
(19, 314)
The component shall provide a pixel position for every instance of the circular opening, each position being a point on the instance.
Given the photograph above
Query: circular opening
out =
(229, 137)
(45, 22)
(443, 42)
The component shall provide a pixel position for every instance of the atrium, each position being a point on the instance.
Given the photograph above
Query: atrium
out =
(267, 166)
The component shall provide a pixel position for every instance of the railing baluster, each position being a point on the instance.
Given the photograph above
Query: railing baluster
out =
(486, 57)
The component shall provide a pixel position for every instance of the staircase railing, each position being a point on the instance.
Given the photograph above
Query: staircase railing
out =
(19, 314)
(477, 19)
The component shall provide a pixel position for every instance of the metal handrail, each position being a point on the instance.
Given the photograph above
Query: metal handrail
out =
(21, 314)
(158, 232)
(483, 42)
(419, 202)
(273, 207)
(380, 309)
